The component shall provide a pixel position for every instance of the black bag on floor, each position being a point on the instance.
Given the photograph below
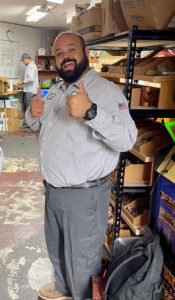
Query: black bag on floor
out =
(135, 269)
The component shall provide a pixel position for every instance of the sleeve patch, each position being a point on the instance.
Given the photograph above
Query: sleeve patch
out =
(122, 106)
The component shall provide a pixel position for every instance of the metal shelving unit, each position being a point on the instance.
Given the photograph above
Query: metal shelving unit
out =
(133, 40)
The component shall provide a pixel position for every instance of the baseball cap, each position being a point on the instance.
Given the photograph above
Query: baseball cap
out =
(25, 55)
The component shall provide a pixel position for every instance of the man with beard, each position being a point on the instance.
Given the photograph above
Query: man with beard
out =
(84, 125)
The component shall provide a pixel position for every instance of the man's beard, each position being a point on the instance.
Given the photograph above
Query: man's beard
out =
(73, 75)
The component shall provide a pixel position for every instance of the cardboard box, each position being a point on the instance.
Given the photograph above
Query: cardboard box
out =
(9, 103)
(135, 96)
(138, 174)
(118, 67)
(88, 24)
(113, 175)
(113, 20)
(125, 233)
(149, 96)
(3, 85)
(138, 203)
(151, 66)
(21, 122)
(13, 124)
(170, 167)
(154, 140)
(139, 69)
(148, 14)
(10, 112)
(20, 114)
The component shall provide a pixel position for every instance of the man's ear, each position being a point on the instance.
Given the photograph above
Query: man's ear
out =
(87, 51)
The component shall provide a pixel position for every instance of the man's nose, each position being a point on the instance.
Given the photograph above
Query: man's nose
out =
(66, 54)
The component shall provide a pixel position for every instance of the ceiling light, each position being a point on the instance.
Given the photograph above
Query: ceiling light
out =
(35, 16)
(69, 15)
(56, 1)
(31, 11)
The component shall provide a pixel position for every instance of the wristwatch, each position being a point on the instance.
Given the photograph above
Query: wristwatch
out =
(91, 112)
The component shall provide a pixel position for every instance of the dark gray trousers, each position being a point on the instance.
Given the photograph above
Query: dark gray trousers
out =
(75, 226)
(28, 99)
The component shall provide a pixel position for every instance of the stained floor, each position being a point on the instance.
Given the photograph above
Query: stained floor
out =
(24, 262)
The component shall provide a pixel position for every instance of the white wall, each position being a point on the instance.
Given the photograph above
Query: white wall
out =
(35, 37)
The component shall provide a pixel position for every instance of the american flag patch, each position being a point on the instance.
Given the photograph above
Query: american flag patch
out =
(122, 106)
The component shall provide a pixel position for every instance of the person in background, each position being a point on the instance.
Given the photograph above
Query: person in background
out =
(30, 82)
(84, 124)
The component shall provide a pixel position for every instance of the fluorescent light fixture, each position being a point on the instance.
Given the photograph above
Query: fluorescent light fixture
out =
(31, 11)
(35, 16)
(69, 15)
(56, 1)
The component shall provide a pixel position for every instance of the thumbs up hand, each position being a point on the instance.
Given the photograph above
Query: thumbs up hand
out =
(37, 105)
(78, 104)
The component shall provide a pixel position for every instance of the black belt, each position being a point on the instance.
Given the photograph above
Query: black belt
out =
(86, 184)
(91, 183)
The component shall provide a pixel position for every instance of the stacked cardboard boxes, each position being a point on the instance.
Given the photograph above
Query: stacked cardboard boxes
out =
(149, 14)
(11, 119)
(115, 16)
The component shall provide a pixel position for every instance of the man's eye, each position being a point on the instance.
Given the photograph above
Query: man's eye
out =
(58, 54)
(71, 50)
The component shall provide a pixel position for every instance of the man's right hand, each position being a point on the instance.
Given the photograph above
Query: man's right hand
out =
(37, 105)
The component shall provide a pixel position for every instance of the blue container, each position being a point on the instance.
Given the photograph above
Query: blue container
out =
(44, 92)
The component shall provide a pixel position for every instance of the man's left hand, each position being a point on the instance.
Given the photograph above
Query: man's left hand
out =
(78, 104)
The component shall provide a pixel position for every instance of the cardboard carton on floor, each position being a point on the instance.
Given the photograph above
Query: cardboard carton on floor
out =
(10, 112)
(113, 20)
(13, 124)
(88, 24)
(148, 14)
(21, 122)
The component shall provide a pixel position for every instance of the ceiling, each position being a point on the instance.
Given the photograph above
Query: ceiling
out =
(14, 11)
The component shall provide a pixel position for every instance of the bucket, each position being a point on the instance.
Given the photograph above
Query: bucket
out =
(41, 51)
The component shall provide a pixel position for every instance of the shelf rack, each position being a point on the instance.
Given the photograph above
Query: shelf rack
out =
(133, 40)
(145, 39)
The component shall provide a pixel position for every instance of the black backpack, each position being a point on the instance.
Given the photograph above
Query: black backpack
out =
(135, 269)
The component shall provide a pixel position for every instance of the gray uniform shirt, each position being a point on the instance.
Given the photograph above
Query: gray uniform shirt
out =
(74, 151)
(30, 81)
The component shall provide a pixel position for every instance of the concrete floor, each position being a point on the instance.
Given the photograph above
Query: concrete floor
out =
(24, 262)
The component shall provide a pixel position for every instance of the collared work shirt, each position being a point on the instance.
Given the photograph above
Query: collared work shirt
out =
(30, 81)
(73, 151)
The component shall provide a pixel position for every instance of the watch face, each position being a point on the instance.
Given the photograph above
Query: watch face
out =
(91, 113)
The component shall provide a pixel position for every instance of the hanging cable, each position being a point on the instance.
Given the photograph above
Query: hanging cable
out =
(7, 32)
